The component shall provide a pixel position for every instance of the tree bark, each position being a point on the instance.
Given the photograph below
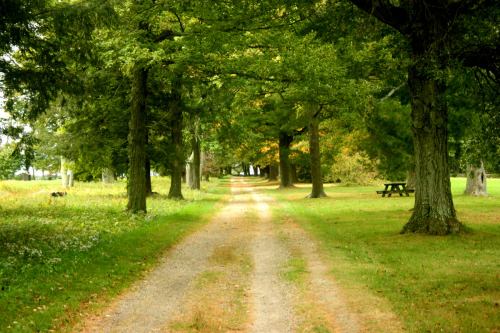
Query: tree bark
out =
(71, 177)
(149, 188)
(176, 139)
(315, 157)
(434, 212)
(244, 166)
(137, 141)
(193, 167)
(258, 171)
(108, 176)
(203, 163)
(476, 180)
(196, 160)
(264, 172)
(189, 170)
(273, 172)
(410, 181)
(64, 171)
(293, 173)
(284, 151)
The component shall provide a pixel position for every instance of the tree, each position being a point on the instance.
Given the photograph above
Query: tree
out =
(176, 139)
(476, 181)
(10, 162)
(40, 39)
(389, 139)
(473, 126)
(433, 36)
(137, 141)
(314, 152)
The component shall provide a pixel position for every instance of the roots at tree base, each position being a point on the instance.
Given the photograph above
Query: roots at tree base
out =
(433, 226)
(316, 195)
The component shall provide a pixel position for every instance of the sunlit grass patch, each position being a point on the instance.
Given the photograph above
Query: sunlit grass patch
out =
(65, 254)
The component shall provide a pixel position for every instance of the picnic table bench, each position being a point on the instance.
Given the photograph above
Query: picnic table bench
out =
(399, 188)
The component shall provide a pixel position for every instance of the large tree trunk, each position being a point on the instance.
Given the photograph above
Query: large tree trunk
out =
(434, 212)
(476, 180)
(315, 157)
(258, 171)
(264, 172)
(71, 176)
(284, 151)
(244, 167)
(149, 188)
(64, 171)
(410, 181)
(293, 173)
(196, 160)
(137, 142)
(189, 170)
(203, 163)
(176, 137)
(273, 172)
(108, 176)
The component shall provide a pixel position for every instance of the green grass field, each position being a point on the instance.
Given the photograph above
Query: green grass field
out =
(61, 258)
(435, 284)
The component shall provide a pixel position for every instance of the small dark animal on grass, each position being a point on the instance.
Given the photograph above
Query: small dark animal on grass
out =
(58, 194)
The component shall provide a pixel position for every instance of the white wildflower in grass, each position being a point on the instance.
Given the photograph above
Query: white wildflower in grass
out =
(54, 260)
(42, 238)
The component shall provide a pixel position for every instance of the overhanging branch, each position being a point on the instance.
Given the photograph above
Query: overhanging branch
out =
(391, 15)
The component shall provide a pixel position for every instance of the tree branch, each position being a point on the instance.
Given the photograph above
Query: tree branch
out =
(168, 34)
(485, 56)
(394, 16)
(392, 91)
(468, 6)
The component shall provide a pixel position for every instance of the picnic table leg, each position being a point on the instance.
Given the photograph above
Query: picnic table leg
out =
(383, 194)
(404, 189)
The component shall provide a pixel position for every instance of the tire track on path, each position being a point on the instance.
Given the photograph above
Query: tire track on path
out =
(153, 304)
(273, 310)
(154, 300)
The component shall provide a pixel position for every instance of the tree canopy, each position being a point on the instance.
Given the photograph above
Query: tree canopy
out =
(331, 90)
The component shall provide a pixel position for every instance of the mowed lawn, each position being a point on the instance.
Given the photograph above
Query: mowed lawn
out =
(62, 258)
(435, 284)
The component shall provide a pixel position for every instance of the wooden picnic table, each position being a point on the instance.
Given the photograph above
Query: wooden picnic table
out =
(399, 188)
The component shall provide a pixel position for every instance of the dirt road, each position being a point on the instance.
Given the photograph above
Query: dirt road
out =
(234, 275)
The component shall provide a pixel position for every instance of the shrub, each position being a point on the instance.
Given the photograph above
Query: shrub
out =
(351, 169)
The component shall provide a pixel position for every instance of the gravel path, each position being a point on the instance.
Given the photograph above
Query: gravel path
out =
(273, 311)
(153, 303)
(326, 290)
